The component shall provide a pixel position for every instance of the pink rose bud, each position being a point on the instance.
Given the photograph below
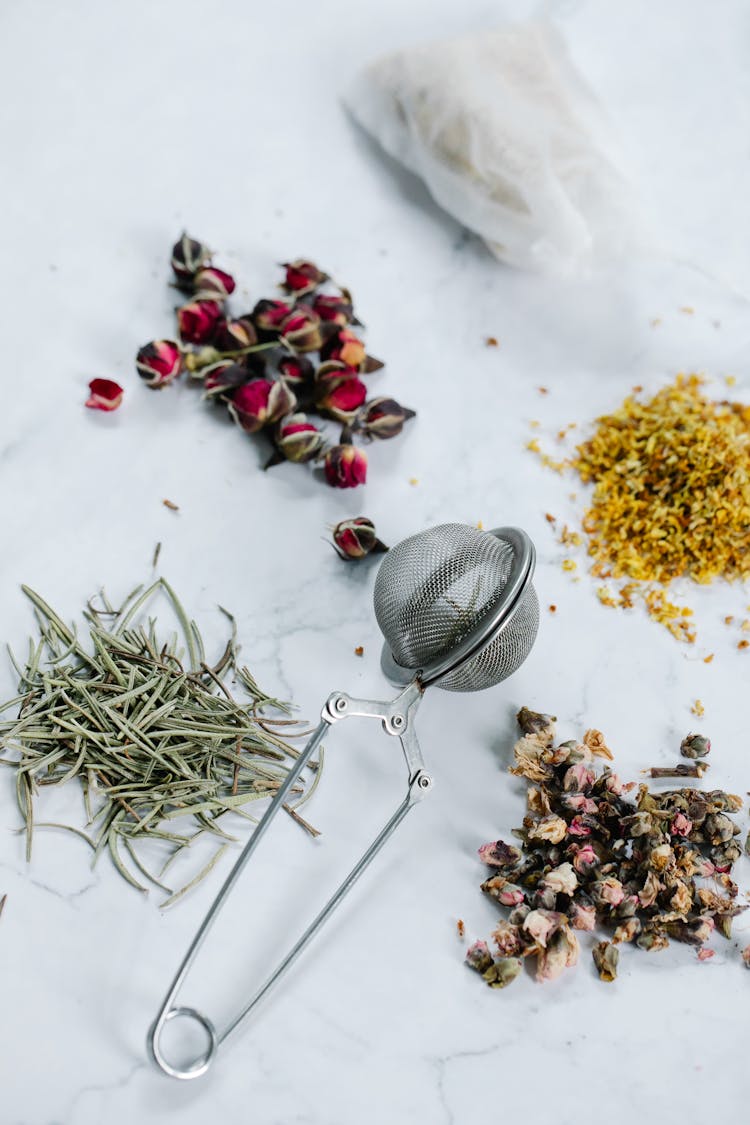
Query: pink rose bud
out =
(338, 391)
(222, 377)
(302, 276)
(234, 335)
(297, 370)
(267, 316)
(301, 329)
(578, 828)
(383, 418)
(104, 395)
(345, 466)
(680, 825)
(159, 363)
(344, 347)
(298, 439)
(213, 283)
(198, 321)
(333, 309)
(188, 256)
(356, 538)
(259, 402)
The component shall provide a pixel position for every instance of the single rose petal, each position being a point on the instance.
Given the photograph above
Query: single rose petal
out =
(105, 394)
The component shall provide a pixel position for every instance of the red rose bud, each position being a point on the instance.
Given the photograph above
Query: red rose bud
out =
(159, 363)
(298, 439)
(333, 309)
(268, 315)
(213, 283)
(222, 377)
(356, 538)
(301, 329)
(259, 403)
(198, 321)
(344, 347)
(235, 335)
(345, 466)
(302, 276)
(188, 256)
(296, 369)
(383, 418)
(104, 395)
(338, 391)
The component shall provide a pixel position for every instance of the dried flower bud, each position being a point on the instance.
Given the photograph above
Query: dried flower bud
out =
(198, 320)
(585, 858)
(297, 370)
(560, 953)
(561, 880)
(302, 276)
(298, 439)
(507, 938)
(541, 924)
(499, 854)
(607, 890)
(345, 466)
(301, 329)
(235, 335)
(259, 402)
(695, 746)
(333, 309)
(578, 778)
(188, 256)
(718, 828)
(159, 363)
(222, 377)
(552, 828)
(105, 395)
(627, 931)
(383, 418)
(356, 538)
(582, 915)
(578, 827)
(338, 391)
(212, 283)
(345, 347)
(503, 972)
(680, 825)
(606, 957)
(478, 957)
(534, 722)
(267, 316)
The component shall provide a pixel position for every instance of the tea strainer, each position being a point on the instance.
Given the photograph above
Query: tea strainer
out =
(458, 610)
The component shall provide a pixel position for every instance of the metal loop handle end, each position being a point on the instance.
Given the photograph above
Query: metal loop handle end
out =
(201, 1064)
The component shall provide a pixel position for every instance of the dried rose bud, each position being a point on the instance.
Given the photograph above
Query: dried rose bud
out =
(680, 825)
(198, 320)
(301, 329)
(582, 915)
(333, 309)
(503, 972)
(213, 283)
(627, 931)
(695, 746)
(105, 394)
(298, 439)
(478, 956)
(383, 418)
(267, 316)
(259, 402)
(534, 722)
(606, 957)
(297, 370)
(345, 466)
(607, 890)
(507, 938)
(338, 392)
(542, 924)
(561, 880)
(159, 363)
(235, 335)
(222, 377)
(585, 858)
(499, 854)
(578, 778)
(302, 276)
(356, 538)
(552, 828)
(345, 347)
(188, 256)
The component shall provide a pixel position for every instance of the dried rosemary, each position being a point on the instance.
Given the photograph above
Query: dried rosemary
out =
(161, 748)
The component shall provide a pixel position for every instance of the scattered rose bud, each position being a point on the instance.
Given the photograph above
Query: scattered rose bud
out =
(105, 395)
(479, 958)
(259, 402)
(188, 256)
(212, 283)
(345, 466)
(235, 335)
(345, 347)
(224, 376)
(503, 972)
(301, 330)
(499, 854)
(695, 746)
(606, 957)
(302, 276)
(297, 370)
(338, 391)
(383, 418)
(267, 316)
(297, 439)
(159, 363)
(198, 320)
(333, 309)
(356, 538)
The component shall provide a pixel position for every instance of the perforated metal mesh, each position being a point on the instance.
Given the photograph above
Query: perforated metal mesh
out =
(434, 587)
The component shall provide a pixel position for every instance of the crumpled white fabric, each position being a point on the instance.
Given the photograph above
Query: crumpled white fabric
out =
(508, 139)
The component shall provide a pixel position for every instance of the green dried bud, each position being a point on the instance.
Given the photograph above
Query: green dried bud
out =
(535, 722)
(606, 957)
(652, 940)
(695, 746)
(718, 828)
(503, 972)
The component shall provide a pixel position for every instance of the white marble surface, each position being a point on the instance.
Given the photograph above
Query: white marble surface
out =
(119, 125)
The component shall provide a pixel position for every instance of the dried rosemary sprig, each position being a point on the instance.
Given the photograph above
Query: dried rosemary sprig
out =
(152, 740)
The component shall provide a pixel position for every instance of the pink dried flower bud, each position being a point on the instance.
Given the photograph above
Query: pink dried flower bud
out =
(578, 778)
(345, 466)
(608, 890)
(235, 335)
(478, 956)
(585, 859)
(267, 316)
(302, 276)
(105, 395)
(510, 895)
(159, 363)
(577, 827)
(298, 439)
(345, 347)
(338, 391)
(301, 329)
(705, 868)
(680, 825)
(188, 255)
(333, 309)
(614, 785)
(383, 418)
(705, 954)
(198, 320)
(213, 283)
(356, 538)
(561, 953)
(297, 370)
(259, 402)
(541, 924)
(499, 854)
(507, 938)
(582, 915)
(222, 377)
(560, 880)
